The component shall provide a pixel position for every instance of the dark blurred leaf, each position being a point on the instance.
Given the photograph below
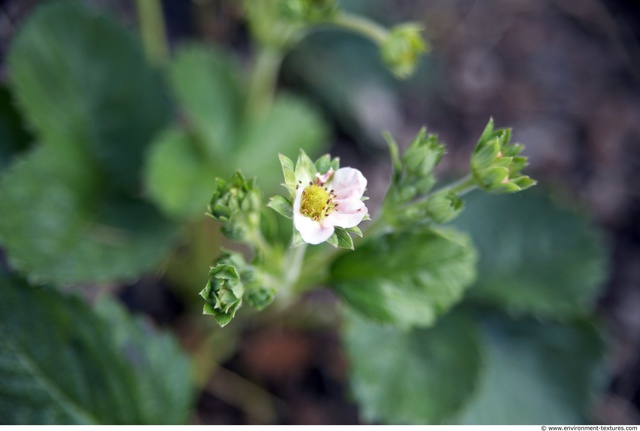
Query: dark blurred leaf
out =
(179, 179)
(408, 279)
(57, 226)
(291, 125)
(62, 364)
(535, 257)
(535, 373)
(82, 82)
(206, 84)
(162, 389)
(13, 136)
(420, 376)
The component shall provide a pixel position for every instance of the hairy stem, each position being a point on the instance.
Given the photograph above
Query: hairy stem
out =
(361, 25)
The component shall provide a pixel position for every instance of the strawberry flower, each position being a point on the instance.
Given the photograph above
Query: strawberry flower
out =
(325, 197)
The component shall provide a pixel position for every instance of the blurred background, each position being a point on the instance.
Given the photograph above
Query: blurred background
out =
(565, 74)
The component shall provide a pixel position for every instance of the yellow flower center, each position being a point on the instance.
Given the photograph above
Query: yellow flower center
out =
(316, 202)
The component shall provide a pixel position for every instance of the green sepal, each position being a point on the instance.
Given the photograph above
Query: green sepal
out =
(305, 168)
(333, 240)
(355, 230)
(296, 239)
(344, 239)
(323, 164)
(395, 155)
(282, 206)
(288, 171)
(423, 154)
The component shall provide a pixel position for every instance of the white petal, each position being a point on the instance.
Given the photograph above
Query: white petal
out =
(348, 183)
(349, 213)
(312, 232)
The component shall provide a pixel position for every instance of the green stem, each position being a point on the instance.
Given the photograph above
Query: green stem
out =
(262, 86)
(295, 262)
(361, 25)
(152, 31)
(461, 187)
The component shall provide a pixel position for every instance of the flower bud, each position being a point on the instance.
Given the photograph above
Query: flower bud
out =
(443, 206)
(402, 49)
(223, 292)
(496, 165)
(236, 204)
(261, 297)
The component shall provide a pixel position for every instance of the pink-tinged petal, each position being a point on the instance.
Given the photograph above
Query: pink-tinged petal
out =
(349, 213)
(312, 232)
(348, 183)
(325, 177)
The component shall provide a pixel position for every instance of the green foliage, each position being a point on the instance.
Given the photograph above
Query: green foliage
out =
(535, 257)
(62, 364)
(219, 138)
(57, 227)
(178, 178)
(409, 278)
(82, 84)
(291, 125)
(13, 136)
(205, 83)
(70, 212)
(419, 376)
(474, 368)
(535, 373)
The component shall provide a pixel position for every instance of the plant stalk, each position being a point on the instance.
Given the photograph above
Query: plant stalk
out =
(152, 31)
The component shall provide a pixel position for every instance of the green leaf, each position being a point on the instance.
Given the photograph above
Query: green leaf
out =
(13, 136)
(62, 364)
(282, 206)
(408, 279)
(82, 82)
(290, 126)
(57, 227)
(535, 373)
(177, 178)
(419, 376)
(162, 371)
(536, 257)
(205, 82)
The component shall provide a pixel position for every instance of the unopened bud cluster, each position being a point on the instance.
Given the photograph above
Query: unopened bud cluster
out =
(231, 280)
(496, 165)
(236, 203)
(402, 49)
